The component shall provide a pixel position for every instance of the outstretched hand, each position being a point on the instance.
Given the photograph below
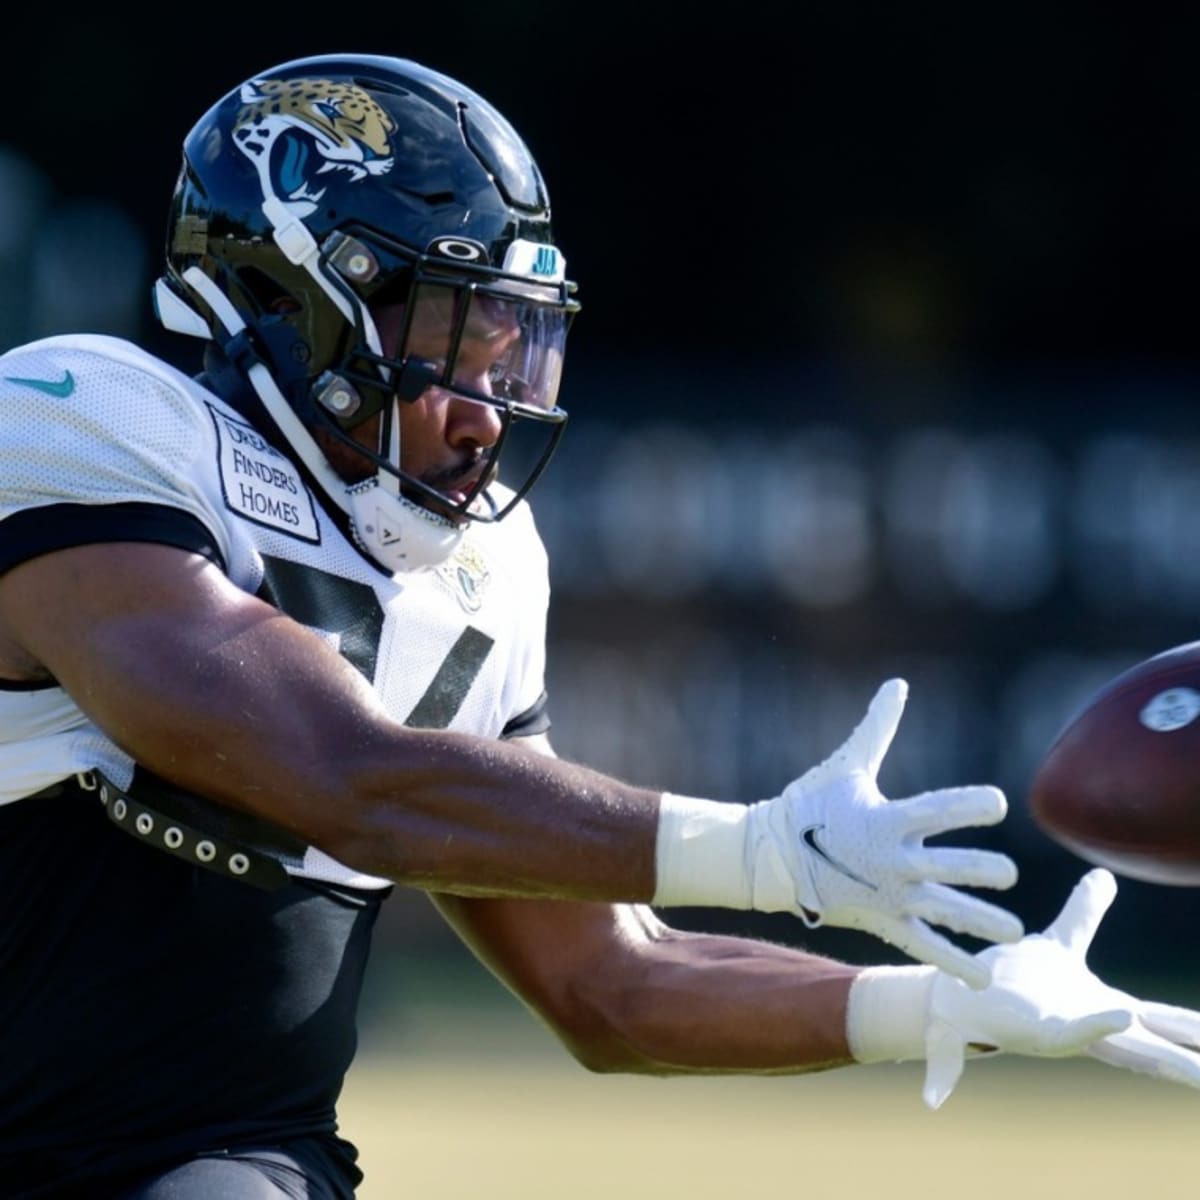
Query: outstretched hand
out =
(835, 851)
(1044, 1001)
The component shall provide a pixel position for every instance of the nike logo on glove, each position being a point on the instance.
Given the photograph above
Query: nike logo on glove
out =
(808, 835)
(61, 388)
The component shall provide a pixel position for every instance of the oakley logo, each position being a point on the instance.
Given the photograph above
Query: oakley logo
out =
(460, 249)
(808, 835)
(61, 388)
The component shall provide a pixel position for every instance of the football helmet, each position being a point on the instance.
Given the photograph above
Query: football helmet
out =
(329, 193)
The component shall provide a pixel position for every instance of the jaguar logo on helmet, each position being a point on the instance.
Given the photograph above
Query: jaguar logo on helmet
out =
(295, 130)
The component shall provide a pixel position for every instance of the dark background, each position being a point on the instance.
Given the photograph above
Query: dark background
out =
(838, 223)
(1026, 174)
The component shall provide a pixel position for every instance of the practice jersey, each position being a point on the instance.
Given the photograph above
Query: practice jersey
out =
(149, 1006)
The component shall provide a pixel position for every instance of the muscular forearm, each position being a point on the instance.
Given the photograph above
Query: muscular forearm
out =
(462, 815)
(627, 993)
(705, 1004)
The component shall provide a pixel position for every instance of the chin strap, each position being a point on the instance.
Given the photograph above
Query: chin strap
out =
(396, 533)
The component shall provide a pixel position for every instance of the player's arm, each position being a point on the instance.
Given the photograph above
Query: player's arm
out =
(221, 694)
(624, 992)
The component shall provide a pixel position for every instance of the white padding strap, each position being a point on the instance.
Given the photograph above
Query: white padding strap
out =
(268, 391)
(887, 1013)
(701, 853)
(292, 236)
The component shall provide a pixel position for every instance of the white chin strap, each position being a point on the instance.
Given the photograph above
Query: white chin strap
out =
(395, 532)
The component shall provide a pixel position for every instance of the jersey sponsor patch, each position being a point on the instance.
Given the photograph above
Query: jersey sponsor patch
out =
(259, 483)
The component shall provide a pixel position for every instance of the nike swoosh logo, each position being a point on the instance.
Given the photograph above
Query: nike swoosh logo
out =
(808, 835)
(61, 388)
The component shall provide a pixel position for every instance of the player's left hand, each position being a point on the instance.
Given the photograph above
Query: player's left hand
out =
(1045, 1001)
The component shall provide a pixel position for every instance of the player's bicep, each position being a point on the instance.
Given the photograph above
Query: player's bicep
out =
(199, 681)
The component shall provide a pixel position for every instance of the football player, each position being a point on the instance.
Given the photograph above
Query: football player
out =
(272, 642)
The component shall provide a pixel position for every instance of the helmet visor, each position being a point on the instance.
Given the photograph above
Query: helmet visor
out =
(500, 346)
(496, 346)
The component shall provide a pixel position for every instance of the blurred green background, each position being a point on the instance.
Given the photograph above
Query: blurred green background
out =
(520, 1128)
(459, 1093)
(887, 365)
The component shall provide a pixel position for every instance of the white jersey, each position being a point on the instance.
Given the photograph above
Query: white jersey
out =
(140, 448)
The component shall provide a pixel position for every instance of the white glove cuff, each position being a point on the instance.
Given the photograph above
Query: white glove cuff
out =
(700, 854)
(887, 1013)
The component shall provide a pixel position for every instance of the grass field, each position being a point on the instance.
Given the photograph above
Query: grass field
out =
(487, 1106)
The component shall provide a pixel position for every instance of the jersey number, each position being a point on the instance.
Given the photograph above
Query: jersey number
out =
(351, 613)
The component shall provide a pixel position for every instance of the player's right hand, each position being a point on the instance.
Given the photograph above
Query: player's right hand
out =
(835, 851)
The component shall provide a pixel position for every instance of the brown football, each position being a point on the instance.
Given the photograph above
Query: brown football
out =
(1120, 785)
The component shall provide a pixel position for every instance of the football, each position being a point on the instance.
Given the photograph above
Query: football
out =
(1120, 785)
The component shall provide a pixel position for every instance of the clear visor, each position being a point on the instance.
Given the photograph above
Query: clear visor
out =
(499, 347)
(490, 345)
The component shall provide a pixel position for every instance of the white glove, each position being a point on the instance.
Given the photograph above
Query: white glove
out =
(1043, 1001)
(854, 859)
(833, 850)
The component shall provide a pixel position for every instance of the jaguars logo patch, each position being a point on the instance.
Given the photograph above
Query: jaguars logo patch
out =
(466, 575)
(295, 131)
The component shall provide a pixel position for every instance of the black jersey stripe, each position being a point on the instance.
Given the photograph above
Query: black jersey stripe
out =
(35, 531)
(444, 696)
(330, 602)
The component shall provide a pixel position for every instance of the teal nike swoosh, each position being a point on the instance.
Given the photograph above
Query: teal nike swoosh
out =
(61, 388)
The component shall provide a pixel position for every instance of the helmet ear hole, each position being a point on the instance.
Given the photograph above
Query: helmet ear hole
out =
(267, 295)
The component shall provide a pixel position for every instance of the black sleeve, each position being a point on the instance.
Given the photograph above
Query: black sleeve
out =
(34, 531)
(535, 719)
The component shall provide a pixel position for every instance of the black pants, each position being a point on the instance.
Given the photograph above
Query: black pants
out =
(299, 1171)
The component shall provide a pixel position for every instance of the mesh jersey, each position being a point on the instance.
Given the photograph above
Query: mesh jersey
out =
(149, 1008)
(459, 647)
